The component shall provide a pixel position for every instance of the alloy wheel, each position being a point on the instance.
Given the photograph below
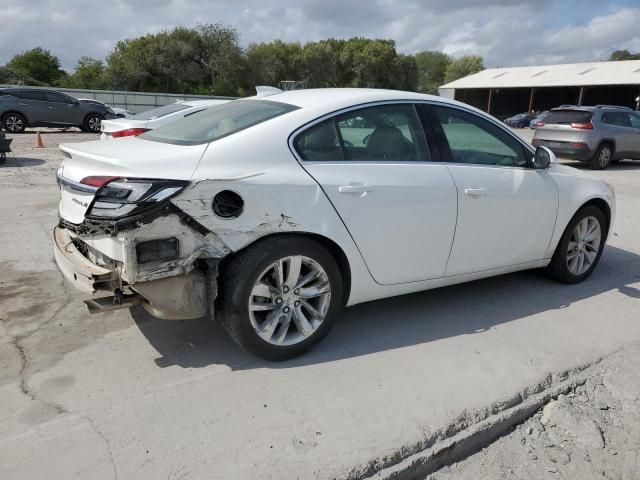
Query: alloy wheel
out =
(13, 123)
(289, 300)
(94, 124)
(584, 245)
(604, 157)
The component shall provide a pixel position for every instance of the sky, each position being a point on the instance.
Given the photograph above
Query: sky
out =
(504, 32)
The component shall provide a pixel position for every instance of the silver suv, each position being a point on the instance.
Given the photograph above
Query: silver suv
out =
(596, 135)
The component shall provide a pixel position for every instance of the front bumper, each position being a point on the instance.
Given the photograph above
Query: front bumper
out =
(77, 269)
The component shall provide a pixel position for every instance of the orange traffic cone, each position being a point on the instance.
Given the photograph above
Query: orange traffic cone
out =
(39, 143)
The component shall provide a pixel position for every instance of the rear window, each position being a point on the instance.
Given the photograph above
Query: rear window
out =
(567, 117)
(160, 111)
(216, 122)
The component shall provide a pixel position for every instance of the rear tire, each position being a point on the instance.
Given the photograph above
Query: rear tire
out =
(565, 265)
(14, 122)
(291, 319)
(602, 157)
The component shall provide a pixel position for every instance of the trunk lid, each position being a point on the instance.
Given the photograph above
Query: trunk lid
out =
(128, 157)
(107, 127)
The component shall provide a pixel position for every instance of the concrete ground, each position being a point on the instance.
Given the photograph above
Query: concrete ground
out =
(122, 395)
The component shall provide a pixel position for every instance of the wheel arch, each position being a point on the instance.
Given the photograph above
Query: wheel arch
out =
(331, 246)
(610, 141)
(603, 206)
(18, 112)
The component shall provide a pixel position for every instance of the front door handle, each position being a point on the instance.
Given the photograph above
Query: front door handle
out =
(354, 189)
(475, 192)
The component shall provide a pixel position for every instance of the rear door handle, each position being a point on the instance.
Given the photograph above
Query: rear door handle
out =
(475, 192)
(354, 188)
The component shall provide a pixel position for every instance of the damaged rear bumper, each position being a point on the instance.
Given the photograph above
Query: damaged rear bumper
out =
(179, 297)
(77, 269)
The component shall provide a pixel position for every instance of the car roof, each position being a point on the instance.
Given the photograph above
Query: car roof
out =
(344, 97)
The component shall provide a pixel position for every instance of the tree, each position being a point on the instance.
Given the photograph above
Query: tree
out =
(205, 60)
(37, 64)
(88, 74)
(431, 70)
(624, 55)
(463, 66)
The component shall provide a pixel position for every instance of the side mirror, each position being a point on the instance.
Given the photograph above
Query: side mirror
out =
(543, 158)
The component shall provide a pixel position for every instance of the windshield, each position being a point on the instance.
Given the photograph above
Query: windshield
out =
(213, 123)
(160, 111)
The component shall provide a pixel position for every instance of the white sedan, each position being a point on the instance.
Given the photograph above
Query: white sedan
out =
(133, 125)
(272, 213)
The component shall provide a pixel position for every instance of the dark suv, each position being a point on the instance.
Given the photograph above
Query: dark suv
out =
(39, 107)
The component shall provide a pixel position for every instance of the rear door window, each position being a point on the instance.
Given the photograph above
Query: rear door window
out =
(319, 143)
(32, 95)
(383, 133)
(567, 117)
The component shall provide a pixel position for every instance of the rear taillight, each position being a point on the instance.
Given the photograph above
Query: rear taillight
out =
(97, 181)
(583, 126)
(120, 197)
(129, 132)
(539, 124)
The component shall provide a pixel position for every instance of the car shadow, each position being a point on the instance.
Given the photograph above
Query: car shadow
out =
(402, 321)
(21, 162)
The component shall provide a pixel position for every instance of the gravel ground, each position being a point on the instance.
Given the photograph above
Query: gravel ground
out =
(593, 432)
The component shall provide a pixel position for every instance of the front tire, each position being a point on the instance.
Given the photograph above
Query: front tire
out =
(580, 247)
(14, 123)
(279, 297)
(602, 157)
(92, 123)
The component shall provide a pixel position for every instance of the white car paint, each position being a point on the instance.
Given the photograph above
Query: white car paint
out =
(414, 229)
(144, 120)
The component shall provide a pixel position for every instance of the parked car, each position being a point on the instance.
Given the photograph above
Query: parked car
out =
(154, 118)
(596, 135)
(538, 121)
(120, 112)
(520, 120)
(272, 213)
(40, 107)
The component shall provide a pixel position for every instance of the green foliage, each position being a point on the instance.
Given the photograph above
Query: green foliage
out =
(88, 74)
(208, 60)
(463, 66)
(431, 70)
(36, 64)
(624, 55)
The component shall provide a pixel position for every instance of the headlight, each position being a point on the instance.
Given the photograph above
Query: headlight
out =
(121, 197)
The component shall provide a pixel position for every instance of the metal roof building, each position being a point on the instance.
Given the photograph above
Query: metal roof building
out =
(505, 91)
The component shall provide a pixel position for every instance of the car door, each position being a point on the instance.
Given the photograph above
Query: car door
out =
(506, 210)
(634, 120)
(63, 109)
(34, 105)
(393, 195)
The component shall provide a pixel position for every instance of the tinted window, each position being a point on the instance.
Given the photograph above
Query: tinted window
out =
(319, 143)
(634, 118)
(160, 111)
(473, 139)
(620, 119)
(567, 117)
(387, 132)
(58, 98)
(216, 122)
(32, 95)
